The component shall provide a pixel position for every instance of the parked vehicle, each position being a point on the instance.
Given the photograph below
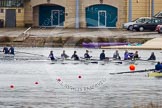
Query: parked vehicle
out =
(150, 25)
(129, 25)
(159, 28)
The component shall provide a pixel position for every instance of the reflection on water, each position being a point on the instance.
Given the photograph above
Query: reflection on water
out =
(79, 85)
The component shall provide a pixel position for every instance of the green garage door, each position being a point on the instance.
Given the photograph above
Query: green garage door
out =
(101, 15)
(51, 15)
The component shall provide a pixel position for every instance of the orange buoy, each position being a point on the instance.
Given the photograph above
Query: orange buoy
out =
(132, 67)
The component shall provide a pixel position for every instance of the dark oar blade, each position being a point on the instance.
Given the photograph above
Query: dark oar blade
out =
(138, 71)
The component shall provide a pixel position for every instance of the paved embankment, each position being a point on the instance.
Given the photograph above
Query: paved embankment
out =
(153, 44)
(42, 37)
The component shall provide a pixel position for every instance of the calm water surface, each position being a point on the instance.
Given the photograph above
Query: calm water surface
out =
(59, 85)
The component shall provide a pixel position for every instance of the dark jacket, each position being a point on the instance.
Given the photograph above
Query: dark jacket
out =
(102, 56)
(86, 55)
(75, 57)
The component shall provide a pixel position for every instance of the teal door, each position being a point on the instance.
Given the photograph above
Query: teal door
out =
(52, 15)
(102, 18)
(101, 15)
(55, 18)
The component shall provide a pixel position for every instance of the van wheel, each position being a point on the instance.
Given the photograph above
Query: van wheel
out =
(130, 28)
(141, 29)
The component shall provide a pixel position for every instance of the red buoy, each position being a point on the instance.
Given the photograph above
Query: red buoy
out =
(58, 79)
(132, 67)
(11, 86)
(36, 82)
(79, 76)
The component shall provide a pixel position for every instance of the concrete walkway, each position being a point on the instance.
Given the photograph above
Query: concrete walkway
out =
(55, 32)
(153, 44)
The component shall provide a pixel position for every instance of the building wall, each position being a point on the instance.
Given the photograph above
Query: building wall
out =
(158, 6)
(120, 4)
(141, 8)
(2, 15)
(19, 16)
(70, 10)
(30, 13)
(28, 18)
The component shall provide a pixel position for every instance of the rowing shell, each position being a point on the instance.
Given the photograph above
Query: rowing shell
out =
(155, 74)
(19, 57)
(67, 61)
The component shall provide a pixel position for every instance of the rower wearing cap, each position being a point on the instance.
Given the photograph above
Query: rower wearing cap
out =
(86, 55)
(51, 56)
(75, 56)
(64, 55)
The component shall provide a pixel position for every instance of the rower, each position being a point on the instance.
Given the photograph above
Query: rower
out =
(11, 50)
(75, 56)
(135, 56)
(51, 56)
(5, 50)
(64, 55)
(126, 55)
(86, 55)
(116, 55)
(152, 57)
(158, 66)
(102, 55)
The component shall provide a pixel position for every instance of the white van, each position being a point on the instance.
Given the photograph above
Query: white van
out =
(129, 25)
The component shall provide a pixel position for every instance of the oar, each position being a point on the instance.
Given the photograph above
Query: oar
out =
(138, 71)
(148, 60)
(30, 53)
(97, 60)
